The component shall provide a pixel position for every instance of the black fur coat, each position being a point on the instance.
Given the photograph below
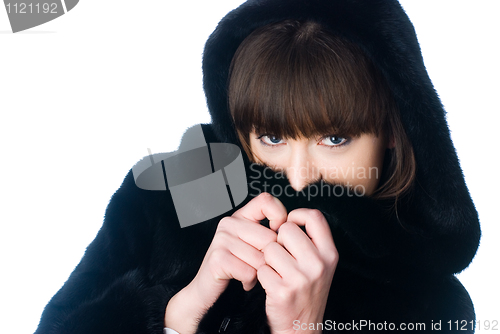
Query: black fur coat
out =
(393, 268)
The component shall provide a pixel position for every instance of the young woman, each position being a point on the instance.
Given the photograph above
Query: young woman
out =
(358, 214)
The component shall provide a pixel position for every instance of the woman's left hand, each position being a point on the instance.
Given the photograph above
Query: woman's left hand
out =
(298, 272)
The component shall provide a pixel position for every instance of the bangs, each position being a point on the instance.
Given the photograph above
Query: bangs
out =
(294, 80)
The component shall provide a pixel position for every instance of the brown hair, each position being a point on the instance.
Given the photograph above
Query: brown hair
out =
(294, 79)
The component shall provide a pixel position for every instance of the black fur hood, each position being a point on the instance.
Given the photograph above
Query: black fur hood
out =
(441, 200)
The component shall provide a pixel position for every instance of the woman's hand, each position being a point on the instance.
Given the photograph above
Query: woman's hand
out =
(235, 252)
(298, 272)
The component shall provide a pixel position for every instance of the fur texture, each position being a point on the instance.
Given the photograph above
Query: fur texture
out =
(397, 269)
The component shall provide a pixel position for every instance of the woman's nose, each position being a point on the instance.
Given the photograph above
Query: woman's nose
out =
(302, 171)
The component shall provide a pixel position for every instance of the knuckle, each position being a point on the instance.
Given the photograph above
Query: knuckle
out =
(268, 250)
(284, 295)
(316, 214)
(265, 252)
(269, 236)
(286, 227)
(221, 239)
(318, 270)
(266, 198)
(269, 247)
(248, 275)
(333, 258)
(218, 256)
(259, 259)
(283, 215)
(224, 224)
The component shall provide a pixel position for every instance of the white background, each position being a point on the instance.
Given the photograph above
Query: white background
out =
(84, 96)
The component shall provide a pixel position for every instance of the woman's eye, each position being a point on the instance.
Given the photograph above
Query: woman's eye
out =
(333, 141)
(270, 140)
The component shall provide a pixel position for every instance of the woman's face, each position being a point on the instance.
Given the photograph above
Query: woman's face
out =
(354, 162)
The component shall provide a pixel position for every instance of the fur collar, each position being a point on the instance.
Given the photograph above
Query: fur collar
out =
(395, 258)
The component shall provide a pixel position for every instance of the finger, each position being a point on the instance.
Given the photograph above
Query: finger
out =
(255, 235)
(280, 260)
(243, 251)
(264, 206)
(317, 229)
(226, 266)
(268, 278)
(297, 243)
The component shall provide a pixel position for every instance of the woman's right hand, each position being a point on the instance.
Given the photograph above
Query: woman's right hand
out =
(235, 252)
